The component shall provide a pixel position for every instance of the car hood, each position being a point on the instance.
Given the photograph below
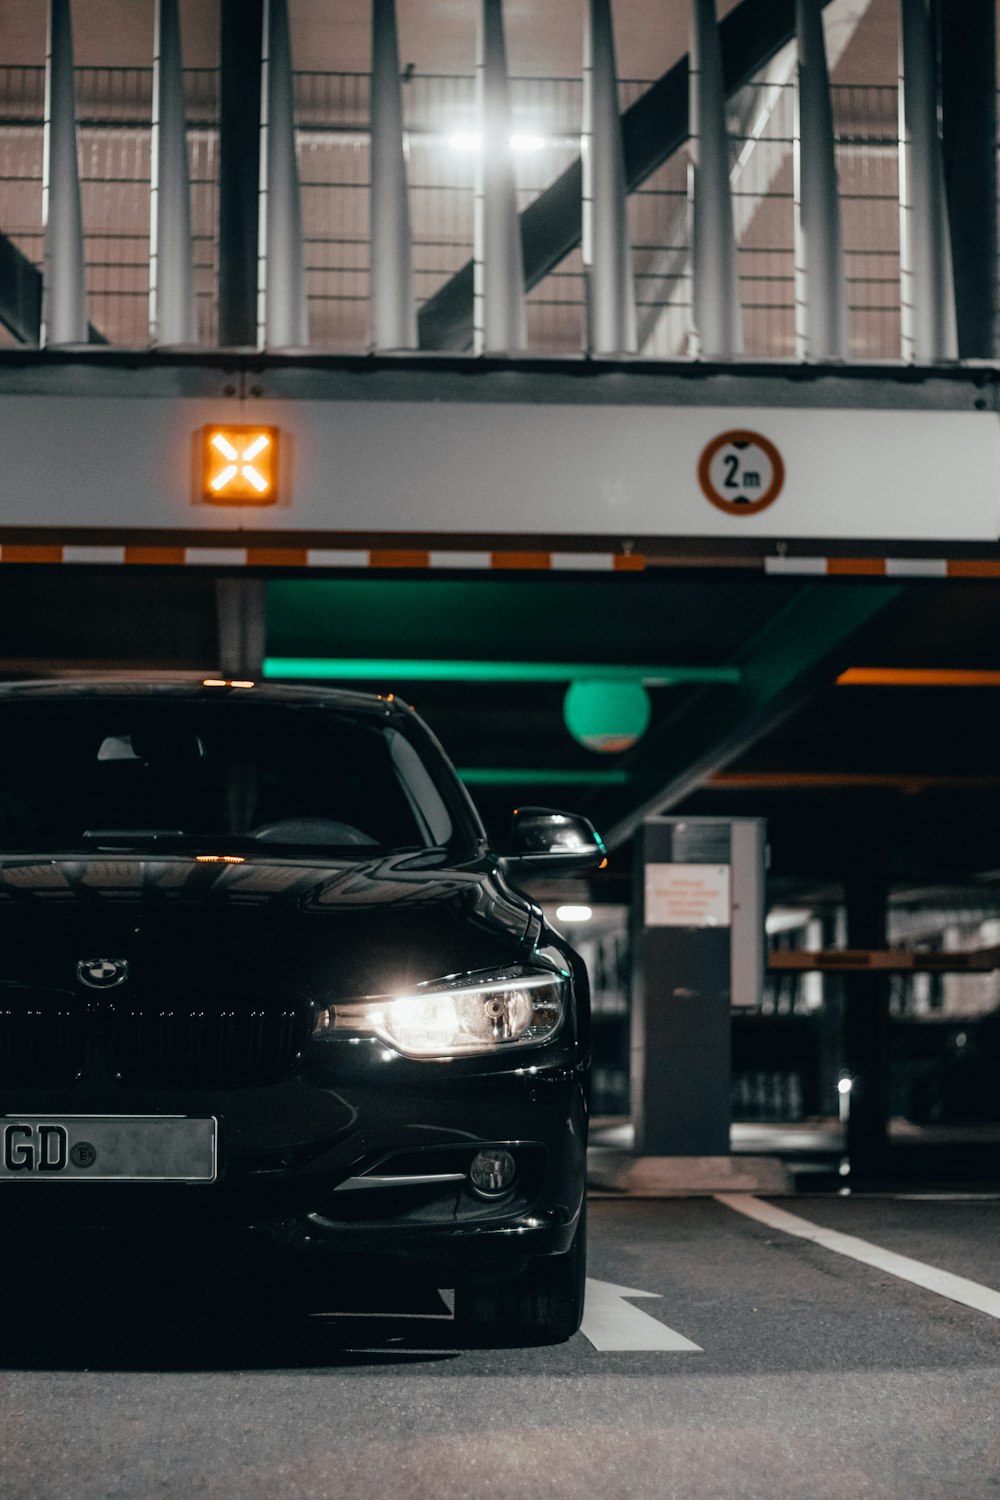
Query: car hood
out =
(314, 927)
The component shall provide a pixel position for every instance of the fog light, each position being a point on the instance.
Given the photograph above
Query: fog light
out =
(492, 1173)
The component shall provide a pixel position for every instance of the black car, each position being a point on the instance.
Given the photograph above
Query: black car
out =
(264, 985)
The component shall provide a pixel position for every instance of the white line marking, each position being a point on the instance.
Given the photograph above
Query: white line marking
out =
(612, 1325)
(460, 559)
(955, 1288)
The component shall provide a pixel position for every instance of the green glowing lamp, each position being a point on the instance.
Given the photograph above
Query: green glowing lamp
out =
(606, 716)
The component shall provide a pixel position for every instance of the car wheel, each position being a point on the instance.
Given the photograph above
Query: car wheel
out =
(544, 1305)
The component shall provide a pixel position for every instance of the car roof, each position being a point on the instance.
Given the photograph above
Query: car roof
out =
(207, 689)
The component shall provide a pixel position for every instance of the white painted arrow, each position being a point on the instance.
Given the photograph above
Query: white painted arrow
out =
(611, 1324)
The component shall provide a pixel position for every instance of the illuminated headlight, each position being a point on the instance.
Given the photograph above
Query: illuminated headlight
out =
(470, 1013)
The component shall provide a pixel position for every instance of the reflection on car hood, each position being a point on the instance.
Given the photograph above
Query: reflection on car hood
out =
(311, 925)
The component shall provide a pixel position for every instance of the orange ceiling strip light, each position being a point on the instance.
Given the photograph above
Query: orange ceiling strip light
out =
(917, 677)
(902, 781)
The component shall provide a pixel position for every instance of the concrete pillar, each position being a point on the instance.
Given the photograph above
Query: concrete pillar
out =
(969, 133)
(866, 1028)
(282, 311)
(239, 169)
(607, 253)
(394, 315)
(929, 330)
(499, 319)
(172, 315)
(241, 605)
(718, 320)
(820, 303)
(64, 302)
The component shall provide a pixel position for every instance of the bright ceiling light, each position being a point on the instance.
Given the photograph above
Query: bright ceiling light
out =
(469, 141)
(574, 913)
(465, 140)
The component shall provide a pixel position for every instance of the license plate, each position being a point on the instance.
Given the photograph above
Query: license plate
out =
(107, 1148)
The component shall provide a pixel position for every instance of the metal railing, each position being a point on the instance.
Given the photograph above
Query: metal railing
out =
(332, 116)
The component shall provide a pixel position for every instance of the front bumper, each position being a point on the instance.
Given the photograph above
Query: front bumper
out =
(353, 1109)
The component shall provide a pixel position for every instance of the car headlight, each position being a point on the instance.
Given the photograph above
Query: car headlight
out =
(467, 1013)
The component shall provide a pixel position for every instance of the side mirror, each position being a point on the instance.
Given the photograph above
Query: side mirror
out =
(542, 839)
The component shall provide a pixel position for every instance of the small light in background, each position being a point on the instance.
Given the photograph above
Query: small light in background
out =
(527, 142)
(465, 140)
(574, 913)
(786, 919)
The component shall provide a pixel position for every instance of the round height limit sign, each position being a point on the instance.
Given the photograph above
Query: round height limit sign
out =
(741, 472)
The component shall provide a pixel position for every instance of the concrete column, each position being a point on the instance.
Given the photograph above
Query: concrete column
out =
(820, 303)
(241, 610)
(65, 302)
(866, 1028)
(718, 320)
(239, 169)
(969, 133)
(698, 949)
(172, 316)
(394, 315)
(929, 330)
(607, 253)
(499, 319)
(282, 309)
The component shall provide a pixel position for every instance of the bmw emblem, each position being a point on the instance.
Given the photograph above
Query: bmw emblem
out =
(102, 973)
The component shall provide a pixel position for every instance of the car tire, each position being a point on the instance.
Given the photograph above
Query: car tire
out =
(544, 1305)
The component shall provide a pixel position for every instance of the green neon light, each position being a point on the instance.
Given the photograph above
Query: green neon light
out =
(507, 776)
(367, 669)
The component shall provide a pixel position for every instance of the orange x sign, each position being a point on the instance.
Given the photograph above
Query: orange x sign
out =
(240, 465)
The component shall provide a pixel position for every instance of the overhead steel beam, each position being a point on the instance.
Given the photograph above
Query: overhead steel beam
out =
(653, 128)
(499, 317)
(172, 318)
(283, 310)
(394, 316)
(798, 651)
(969, 132)
(718, 316)
(820, 301)
(65, 296)
(607, 253)
(242, 23)
(927, 282)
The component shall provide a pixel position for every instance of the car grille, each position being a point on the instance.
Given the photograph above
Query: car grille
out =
(43, 1036)
(228, 1044)
(49, 1038)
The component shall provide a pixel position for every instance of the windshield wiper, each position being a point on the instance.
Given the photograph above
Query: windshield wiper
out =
(132, 835)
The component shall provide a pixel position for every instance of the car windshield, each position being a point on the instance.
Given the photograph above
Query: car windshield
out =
(99, 772)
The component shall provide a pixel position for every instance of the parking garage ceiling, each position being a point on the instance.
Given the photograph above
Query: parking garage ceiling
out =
(896, 772)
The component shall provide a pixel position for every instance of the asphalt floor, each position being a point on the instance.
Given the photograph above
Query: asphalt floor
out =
(816, 1376)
